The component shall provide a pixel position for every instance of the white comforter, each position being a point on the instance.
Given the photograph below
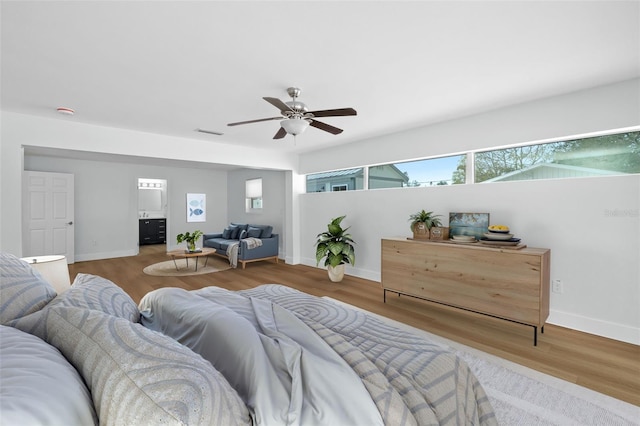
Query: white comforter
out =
(284, 371)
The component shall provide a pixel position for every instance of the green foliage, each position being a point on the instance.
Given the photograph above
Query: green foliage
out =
(335, 245)
(428, 218)
(190, 238)
(617, 152)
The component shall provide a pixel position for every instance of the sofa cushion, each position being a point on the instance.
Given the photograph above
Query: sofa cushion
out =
(243, 234)
(226, 233)
(138, 376)
(240, 225)
(39, 386)
(22, 289)
(235, 232)
(254, 232)
(267, 230)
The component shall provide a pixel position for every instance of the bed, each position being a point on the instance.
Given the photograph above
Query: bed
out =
(298, 359)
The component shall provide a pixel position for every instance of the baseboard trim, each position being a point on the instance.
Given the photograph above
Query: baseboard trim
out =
(608, 329)
(104, 255)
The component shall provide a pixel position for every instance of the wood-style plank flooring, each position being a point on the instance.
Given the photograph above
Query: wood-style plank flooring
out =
(607, 366)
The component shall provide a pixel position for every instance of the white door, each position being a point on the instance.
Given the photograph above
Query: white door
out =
(48, 214)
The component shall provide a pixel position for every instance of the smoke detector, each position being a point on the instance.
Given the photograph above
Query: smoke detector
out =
(65, 111)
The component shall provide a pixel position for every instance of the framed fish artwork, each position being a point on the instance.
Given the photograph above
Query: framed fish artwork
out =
(196, 207)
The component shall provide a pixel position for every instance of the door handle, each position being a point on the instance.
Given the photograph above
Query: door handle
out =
(70, 223)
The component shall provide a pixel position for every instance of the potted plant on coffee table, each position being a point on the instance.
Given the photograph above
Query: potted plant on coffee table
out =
(422, 222)
(190, 239)
(336, 246)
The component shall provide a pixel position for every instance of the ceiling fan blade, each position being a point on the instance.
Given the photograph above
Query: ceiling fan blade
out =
(334, 112)
(254, 121)
(277, 103)
(326, 127)
(280, 133)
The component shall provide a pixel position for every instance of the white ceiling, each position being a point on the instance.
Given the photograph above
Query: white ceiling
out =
(170, 67)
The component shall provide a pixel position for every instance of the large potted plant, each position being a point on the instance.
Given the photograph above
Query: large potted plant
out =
(190, 239)
(422, 222)
(336, 246)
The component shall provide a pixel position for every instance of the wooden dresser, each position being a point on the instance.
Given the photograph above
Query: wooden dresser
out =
(512, 284)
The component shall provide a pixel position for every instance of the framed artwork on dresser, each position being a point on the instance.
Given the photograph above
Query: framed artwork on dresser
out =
(472, 224)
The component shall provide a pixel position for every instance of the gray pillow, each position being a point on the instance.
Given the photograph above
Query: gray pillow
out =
(39, 386)
(89, 292)
(138, 376)
(254, 232)
(226, 233)
(22, 289)
(235, 231)
(98, 293)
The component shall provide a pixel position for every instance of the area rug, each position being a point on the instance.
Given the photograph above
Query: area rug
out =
(522, 396)
(168, 268)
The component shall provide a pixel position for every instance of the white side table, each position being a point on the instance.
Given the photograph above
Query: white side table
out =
(54, 269)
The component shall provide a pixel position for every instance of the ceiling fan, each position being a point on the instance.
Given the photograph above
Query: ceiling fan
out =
(295, 116)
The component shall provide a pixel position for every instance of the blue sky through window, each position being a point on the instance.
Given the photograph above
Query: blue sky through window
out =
(431, 171)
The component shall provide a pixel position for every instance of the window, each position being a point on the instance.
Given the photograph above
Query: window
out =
(431, 172)
(595, 156)
(610, 154)
(253, 194)
(339, 180)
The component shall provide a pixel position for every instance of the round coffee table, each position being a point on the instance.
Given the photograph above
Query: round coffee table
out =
(184, 254)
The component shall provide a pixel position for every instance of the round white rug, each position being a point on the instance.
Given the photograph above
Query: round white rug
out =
(168, 268)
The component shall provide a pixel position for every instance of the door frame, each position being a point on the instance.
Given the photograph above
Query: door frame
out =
(51, 222)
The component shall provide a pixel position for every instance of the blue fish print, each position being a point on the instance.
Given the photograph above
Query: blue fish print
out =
(196, 212)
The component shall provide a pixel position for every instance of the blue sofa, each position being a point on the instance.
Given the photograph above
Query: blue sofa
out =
(238, 232)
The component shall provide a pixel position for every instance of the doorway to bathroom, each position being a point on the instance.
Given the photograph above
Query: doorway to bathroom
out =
(152, 214)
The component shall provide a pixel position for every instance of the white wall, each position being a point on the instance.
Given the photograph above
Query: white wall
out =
(594, 250)
(106, 202)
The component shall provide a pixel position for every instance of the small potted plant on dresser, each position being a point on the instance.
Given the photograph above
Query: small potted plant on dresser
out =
(421, 224)
(190, 239)
(336, 246)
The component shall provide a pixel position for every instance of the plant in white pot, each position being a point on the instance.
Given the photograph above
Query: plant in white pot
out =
(422, 222)
(336, 246)
(190, 239)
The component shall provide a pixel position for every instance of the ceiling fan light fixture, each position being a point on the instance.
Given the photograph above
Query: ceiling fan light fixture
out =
(294, 126)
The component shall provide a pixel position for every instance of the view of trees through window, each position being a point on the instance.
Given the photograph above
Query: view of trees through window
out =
(613, 154)
(595, 156)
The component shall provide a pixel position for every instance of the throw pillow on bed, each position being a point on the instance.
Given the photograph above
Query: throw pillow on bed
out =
(22, 289)
(138, 376)
(87, 291)
(98, 293)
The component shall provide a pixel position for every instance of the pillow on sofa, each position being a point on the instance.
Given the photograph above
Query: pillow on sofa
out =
(138, 376)
(226, 233)
(267, 230)
(254, 232)
(22, 289)
(235, 231)
(39, 386)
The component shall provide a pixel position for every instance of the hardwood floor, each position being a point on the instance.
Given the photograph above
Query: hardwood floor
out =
(601, 364)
